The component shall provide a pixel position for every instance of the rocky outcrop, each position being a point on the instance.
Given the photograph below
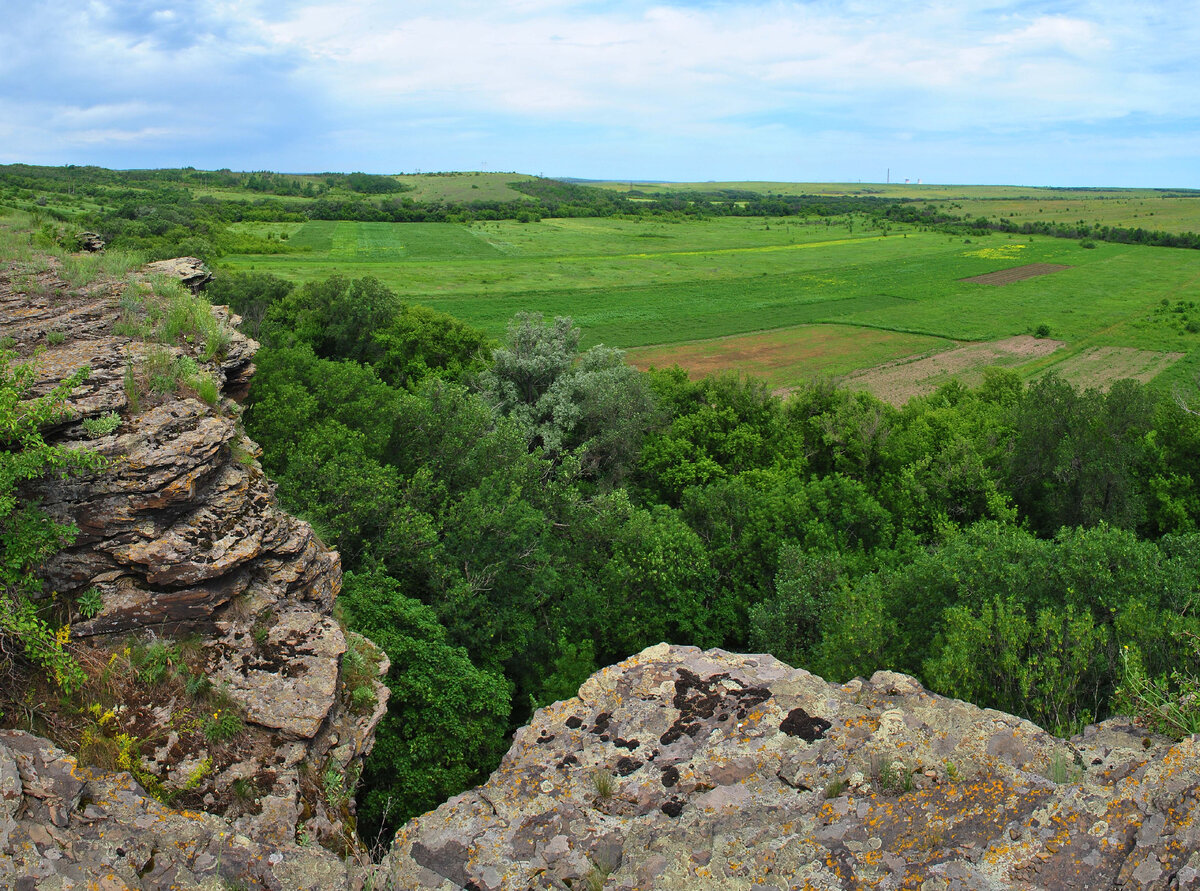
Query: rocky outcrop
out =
(682, 769)
(182, 554)
(189, 270)
(66, 826)
(90, 242)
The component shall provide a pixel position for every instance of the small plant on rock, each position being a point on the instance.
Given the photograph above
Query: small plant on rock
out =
(89, 603)
(101, 426)
(602, 782)
(223, 724)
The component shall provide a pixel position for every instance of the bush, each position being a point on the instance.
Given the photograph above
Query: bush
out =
(27, 535)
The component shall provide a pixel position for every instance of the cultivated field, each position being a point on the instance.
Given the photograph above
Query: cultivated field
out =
(787, 298)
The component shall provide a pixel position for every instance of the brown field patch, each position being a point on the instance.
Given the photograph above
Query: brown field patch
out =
(788, 356)
(1100, 366)
(897, 382)
(1016, 274)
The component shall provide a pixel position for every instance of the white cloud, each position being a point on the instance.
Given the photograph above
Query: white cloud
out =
(671, 65)
(538, 84)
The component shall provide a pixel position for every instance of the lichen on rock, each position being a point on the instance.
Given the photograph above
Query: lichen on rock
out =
(742, 772)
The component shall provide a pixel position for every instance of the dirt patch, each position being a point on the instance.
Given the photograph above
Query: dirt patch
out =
(1016, 274)
(1100, 366)
(897, 382)
(787, 356)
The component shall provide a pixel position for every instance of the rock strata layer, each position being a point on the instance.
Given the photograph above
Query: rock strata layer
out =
(181, 544)
(682, 769)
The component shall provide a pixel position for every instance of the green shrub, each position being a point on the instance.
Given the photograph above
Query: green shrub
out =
(27, 535)
(1168, 704)
(54, 337)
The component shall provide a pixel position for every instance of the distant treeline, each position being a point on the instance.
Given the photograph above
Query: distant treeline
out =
(159, 212)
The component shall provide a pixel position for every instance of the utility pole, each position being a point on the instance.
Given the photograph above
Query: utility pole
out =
(889, 176)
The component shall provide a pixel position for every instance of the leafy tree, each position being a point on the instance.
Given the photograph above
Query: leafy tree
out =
(446, 720)
(1077, 458)
(592, 405)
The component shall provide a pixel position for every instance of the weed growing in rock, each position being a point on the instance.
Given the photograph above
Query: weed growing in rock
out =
(889, 775)
(360, 666)
(89, 603)
(1063, 769)
(221, 725)
(834, 788)
(154, 663)
(55, 337)
(133, 392)
(197, 685)
(339, 787)
(206, 389)
(101, 426)
(244, 789)
(602, 782)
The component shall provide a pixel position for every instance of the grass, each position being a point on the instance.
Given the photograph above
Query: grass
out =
(671, 286)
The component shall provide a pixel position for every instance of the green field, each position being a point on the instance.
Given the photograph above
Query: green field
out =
(640, 283)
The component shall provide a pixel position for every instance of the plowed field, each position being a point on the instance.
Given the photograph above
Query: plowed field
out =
(1016, 274)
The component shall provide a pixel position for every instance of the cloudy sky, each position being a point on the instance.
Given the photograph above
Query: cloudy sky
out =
(1033, 93)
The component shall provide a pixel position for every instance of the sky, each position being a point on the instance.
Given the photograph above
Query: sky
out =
(1030, 93)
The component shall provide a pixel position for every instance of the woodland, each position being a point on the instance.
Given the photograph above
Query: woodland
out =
(515, 513)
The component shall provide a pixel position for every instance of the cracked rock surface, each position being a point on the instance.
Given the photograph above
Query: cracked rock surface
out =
(682, 769)
(180, 536)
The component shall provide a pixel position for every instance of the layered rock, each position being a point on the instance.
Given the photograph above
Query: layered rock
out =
(682, 769)
(180, 540)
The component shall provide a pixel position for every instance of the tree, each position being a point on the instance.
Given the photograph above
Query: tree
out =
(591, 405)
(446, 720)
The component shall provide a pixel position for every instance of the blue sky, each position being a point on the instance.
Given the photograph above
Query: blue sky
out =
(1031, 93)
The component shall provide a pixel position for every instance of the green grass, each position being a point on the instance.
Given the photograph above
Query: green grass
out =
(638, 283)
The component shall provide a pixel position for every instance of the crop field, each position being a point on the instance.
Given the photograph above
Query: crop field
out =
(821, 350)
(787, 299)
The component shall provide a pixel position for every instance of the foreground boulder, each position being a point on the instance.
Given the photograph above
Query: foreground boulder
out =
(682, 769)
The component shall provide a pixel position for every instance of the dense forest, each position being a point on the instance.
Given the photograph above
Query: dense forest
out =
(513, 516)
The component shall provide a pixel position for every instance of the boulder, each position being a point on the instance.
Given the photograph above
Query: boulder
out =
(189, 270)
(680, 769)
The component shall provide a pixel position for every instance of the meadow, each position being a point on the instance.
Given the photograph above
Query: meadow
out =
(763, 295)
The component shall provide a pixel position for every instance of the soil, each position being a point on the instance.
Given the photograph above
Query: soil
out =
(1016, 274)
(897, 382)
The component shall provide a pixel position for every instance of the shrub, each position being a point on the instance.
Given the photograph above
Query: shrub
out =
(1042, 330)
(27, 535)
